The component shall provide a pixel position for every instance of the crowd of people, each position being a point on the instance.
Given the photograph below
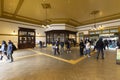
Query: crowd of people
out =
(85, 47)
(99, 45)
(58, 47)
(7, 50)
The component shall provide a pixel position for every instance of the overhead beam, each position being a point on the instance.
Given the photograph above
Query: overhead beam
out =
(18, 7)
(1, 7)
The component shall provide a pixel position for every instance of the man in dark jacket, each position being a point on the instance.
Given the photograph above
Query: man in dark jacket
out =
(100, 46)
(82, 46)
(10, 51)
(118, 43)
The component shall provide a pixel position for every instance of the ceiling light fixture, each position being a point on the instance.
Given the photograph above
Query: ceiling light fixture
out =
(46, 6)
(94, 13)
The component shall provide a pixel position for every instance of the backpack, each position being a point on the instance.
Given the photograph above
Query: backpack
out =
(14, 47)
(99, 44)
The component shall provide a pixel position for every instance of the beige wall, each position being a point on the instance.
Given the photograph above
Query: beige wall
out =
(7, 29)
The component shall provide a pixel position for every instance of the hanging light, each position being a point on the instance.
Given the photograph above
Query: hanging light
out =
(94, 13)
(101, 27)
(46, 6)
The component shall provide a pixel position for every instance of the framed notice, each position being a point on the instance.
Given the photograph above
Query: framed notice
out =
(118, 56)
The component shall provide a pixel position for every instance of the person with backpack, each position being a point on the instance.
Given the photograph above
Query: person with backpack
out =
(14, 47)
(100, 46)
(10, 51)
(62, 46)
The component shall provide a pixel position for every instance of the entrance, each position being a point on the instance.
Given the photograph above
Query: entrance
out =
(26, 38)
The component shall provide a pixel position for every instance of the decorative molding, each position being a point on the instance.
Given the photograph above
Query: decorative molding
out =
(40, 22)
(34, 21)
(22, 20)
(40, 36)
(20, 23)
(15, 35)
(117, 21)
(102, 19)
(8, 35)
(69, 21)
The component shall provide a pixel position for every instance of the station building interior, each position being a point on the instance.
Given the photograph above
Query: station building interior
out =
(28, 22)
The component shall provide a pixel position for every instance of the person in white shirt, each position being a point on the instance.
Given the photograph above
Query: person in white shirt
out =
(88, 48)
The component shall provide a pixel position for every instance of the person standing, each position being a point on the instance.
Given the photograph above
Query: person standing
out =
(3, 49)
(82, 46)
(88, 48)
(94, 44)
(57, 47)
(106, 43)
(68, 46)
(40, 43)
(62, 46)
(118, 43)
(10, 51)
(53, 47)
(100, 46)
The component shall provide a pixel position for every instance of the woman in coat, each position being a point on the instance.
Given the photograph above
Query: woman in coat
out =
(3, 50)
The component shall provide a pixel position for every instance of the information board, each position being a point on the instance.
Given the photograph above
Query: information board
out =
(118, 56)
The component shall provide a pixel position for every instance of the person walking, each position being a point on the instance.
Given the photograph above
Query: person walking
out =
(88, 48)
(100, 46)
(3, 50)
(10, 51)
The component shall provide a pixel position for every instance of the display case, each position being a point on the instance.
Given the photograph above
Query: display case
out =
(26, 38)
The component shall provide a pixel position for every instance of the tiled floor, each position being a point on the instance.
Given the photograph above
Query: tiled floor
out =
(41, 64)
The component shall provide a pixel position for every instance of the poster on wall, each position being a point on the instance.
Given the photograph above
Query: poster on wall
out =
(118, 56)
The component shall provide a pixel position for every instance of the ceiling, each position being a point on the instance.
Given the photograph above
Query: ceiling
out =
(73, 12)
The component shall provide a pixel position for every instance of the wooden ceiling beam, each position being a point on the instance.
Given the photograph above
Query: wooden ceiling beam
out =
(2, 7)
(18, 7)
